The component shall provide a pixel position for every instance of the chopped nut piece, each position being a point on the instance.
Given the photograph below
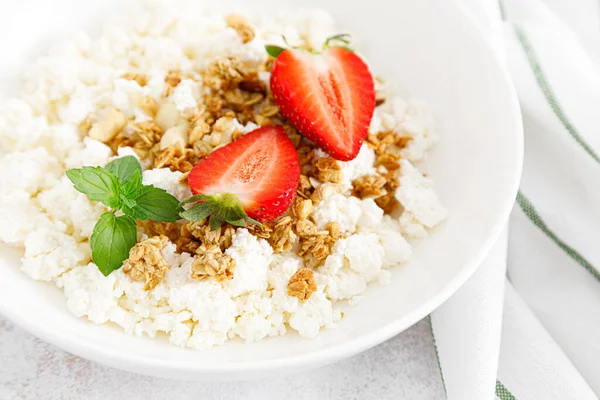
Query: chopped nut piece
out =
(241, 26)
(211, 262)
(302, 284)
(302, 208)
(114, 121)
(283, 236)
(327, 169)
(141, 79)
(146, 263)
(368, 186)
(325, 191)
(167, 116)
(176, 137)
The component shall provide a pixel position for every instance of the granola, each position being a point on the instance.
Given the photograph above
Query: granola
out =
(146, 263)
(211, 262)
(241, 26)
(302, 284)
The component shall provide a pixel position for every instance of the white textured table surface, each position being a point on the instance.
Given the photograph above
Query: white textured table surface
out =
(404, 368)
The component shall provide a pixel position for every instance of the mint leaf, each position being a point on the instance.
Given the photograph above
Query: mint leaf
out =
(274, 51)
(124, 168)
(131, 187)
(155, 204)
(97, 184)
(111, 241)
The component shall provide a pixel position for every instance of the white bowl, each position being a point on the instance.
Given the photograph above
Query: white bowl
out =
(432, 50)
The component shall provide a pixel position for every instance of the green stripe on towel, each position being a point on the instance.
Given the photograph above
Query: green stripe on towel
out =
(533, 215)
(503, 393)
(437, 355)
(549, 93)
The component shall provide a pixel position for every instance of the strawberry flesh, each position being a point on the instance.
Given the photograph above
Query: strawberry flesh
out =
(329, 97)
(261, 169)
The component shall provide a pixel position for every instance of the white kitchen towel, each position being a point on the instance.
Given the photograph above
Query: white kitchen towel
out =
(551, 320)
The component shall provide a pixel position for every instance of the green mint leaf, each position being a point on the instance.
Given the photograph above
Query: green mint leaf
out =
(124, 168)
(127, 202)
(131, 187)
(155, 204)
(97, 184)
(199, 211)
(274, 51)
(111, 241)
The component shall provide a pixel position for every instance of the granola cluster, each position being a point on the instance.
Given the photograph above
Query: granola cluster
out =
(381, 187)
(146, 263)
(211, 262)
(302, 284)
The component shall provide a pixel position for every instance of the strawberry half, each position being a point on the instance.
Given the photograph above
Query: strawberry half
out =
(329, 96)
(254, 177)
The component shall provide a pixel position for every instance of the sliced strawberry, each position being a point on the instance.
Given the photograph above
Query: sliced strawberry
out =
(329, 97)
(260, 169)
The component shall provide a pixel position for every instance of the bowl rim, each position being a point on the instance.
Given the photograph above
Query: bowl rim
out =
(330, 354)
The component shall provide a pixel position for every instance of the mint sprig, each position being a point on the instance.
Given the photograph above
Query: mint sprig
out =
(124, 168)
(153, 203)
(99, 184)
(119, 186)
(111, 241)
(218, 208)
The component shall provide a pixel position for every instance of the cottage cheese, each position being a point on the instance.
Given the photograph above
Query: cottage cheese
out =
(41, 213)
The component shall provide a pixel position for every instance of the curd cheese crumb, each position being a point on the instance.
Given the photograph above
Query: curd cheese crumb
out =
(49, 253)
(343, 210)
(252, 257)
(417, 196)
